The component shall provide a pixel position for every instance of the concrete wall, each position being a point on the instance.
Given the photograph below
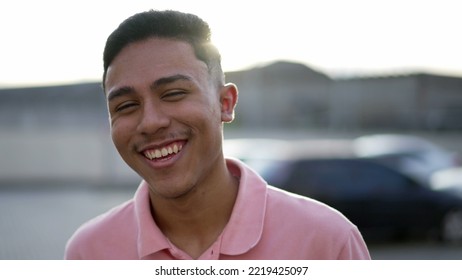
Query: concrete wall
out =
(419, 102)
(281, 94)
(374, 103)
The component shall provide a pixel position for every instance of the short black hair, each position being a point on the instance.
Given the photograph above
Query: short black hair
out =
(165, 24)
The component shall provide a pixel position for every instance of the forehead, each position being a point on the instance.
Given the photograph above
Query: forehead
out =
(152, 59)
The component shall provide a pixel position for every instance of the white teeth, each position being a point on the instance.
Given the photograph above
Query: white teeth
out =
(165, 151)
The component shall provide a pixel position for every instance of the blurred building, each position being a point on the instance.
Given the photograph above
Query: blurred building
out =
(61, 133)
(411, 102)
(282, 95)
(289, 94)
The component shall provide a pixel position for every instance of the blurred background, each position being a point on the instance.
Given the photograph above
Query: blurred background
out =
(369, 90)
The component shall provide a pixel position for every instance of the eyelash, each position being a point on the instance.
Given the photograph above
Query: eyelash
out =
(174, 94)
(125, 106)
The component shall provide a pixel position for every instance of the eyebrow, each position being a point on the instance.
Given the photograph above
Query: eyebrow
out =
(169, 80)
(113, 94)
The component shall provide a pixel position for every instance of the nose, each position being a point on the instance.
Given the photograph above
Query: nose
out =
(153, 119)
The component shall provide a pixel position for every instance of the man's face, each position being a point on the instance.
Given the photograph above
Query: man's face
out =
(166, 114)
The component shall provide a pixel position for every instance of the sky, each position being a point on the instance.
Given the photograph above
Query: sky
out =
(60, 42)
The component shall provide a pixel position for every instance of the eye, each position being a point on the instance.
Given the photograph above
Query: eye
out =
(174, 95)
(125, 106)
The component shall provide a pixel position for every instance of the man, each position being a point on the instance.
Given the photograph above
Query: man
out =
(167, 103)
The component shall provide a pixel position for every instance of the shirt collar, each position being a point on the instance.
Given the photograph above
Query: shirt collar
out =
(245, 226)
(150, 237)
(243, 230)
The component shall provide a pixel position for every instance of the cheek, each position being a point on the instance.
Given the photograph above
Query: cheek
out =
(203, 110)
(213, 109)
(120, 134)
(209, 117)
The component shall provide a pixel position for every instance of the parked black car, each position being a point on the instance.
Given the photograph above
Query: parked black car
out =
(412, 155)
(381, 201)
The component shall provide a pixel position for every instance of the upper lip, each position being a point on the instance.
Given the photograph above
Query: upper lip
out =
(153, 146)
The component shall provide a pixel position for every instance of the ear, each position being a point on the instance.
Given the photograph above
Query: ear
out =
(228, 101)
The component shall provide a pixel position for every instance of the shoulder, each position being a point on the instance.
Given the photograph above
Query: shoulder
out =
(105, 228)
(312, 227)
(305, 212)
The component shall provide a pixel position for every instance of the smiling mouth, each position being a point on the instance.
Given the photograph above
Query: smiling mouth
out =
(164, 152)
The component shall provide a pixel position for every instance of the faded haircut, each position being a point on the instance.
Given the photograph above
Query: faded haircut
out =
(170, 25)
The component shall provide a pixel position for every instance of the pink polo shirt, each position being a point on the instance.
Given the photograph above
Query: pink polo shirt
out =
(266, 223)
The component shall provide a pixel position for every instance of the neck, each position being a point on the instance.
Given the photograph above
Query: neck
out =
(194, 221)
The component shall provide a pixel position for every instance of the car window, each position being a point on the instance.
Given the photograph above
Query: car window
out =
(346, 176)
